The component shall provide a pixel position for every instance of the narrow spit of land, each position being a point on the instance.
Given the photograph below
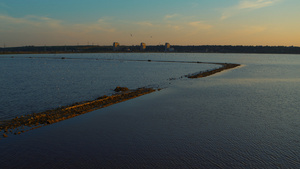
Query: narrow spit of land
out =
(29, 122)
(25, 123)
(225, 66)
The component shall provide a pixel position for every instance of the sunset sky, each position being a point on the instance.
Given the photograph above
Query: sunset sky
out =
(189, 22)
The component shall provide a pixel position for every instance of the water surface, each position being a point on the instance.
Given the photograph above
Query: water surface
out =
(242, 118)
(34, 83)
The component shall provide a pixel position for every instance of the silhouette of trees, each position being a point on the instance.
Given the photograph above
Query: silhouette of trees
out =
(157, 48)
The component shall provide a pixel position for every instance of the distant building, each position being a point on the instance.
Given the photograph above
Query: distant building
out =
(143, 46)
(168, 48)
(116, 46)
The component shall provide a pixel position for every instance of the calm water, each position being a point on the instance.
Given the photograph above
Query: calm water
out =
(243, 118)
(34, 83)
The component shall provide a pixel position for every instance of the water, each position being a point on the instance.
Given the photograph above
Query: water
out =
(242, 118)
(34, 83)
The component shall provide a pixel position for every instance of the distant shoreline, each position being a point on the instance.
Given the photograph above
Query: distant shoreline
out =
(150, 49)
(35, 53)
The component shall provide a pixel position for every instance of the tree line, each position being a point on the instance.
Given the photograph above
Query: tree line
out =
(157, 48)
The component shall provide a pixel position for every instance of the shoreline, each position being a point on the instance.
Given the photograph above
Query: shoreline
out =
(29, 122)
(32, 121)
(240, 49)
(225, 66)
(110, 52)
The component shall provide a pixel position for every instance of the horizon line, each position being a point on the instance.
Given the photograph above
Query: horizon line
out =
(147, 45)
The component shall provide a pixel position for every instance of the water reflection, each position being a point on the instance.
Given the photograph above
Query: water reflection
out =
(243, 118)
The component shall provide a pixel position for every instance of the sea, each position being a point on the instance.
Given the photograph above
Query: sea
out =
(35, 83)
(247, 117)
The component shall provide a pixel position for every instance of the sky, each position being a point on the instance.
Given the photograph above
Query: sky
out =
(154, 22)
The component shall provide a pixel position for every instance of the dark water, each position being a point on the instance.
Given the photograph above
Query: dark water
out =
(243, 118)
(34, 83)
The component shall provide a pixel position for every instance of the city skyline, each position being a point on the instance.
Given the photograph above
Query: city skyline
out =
(192, 22)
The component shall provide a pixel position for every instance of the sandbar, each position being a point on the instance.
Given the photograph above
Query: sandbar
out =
(29, 122)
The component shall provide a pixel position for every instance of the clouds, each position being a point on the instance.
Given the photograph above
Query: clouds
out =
(39, 30)
(200, 25)
(209, 22)
(29, 22)
(170, 16)
(145, 23)
(46, 23)
(102, 25)
(246, 5)
(176, 22)
(43, 30)
(182, 22)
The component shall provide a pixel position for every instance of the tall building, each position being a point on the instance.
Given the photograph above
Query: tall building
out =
(116, 46)
(143, 46)
(167, 47)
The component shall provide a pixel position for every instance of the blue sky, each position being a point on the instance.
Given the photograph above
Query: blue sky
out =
(189, 22)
